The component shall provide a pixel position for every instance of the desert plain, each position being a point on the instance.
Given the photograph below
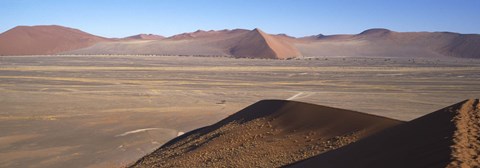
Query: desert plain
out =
(110, 110)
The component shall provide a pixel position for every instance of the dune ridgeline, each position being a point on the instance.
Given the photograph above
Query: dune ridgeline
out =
(241, 43)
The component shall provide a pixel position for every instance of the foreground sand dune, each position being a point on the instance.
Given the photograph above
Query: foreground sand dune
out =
(269, 133)
(273, 133)
(446, 138)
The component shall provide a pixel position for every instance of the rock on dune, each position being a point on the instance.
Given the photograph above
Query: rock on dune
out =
(40, 40)
(449, 137)
(258, 44)
(269, 133)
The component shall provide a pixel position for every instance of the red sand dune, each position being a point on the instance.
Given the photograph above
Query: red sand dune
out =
(449, 137)
(33, 40)
(258, 44)
(269, 133)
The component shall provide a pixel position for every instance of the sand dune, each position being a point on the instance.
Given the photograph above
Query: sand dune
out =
(32, 40)
(386, 43)
(269, 133)
(236, 43)
(446, 138)
(23, 40)
(208, 43)
(273, 133)
(258, 44)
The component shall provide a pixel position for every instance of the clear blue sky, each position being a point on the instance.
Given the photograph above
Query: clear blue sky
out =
(294, 17)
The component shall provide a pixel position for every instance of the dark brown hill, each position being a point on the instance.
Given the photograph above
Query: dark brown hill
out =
(269, 133)
(449, 137)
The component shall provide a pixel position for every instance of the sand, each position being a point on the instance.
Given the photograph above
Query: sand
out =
(269, 133)
(275, 133)
(445, 138)
(258, 44)
(75, 106)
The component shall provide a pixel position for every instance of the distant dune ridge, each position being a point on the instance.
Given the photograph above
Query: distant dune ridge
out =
(274, 133)
(44, 40)
(237, 43)
(383, 42)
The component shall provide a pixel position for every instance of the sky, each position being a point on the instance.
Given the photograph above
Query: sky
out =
(298, 18)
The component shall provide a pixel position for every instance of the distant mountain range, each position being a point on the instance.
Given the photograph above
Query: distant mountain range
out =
(47, 40)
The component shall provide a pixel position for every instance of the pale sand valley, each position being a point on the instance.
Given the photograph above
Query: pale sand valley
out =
(111, 110)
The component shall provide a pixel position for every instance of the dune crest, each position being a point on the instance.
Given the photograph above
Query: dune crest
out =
(466, 147)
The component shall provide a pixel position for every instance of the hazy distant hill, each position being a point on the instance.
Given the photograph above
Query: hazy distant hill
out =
(383, 42)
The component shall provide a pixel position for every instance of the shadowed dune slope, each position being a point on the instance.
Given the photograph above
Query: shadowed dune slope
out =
(41, 40)
(269, 133)
(449, 137)
(258, 44)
